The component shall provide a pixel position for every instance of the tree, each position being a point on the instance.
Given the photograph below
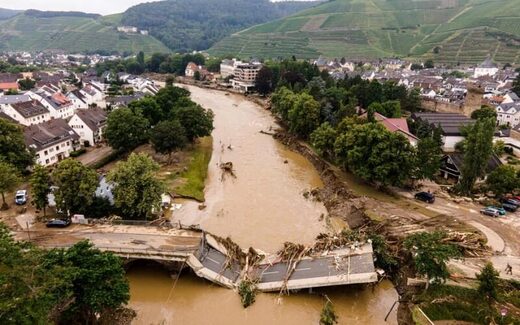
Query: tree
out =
(375, 154)
(12, 146)
(429, 64)
(76, 185)
(484, 112)
(503, 180)
(328, 316)
(196, 121)
(99, 283)
(149, 109)
(392, 109)
(478, 150)
(137, 191)
(27, 84)
(430, 254)
(323, 138)
(8, 181)
(488, 281)
(429, 154)
(168, 136)
(304, 116)
(264, 80)
(126, 129)
(412, 102)
(282, 101)
(41, 187)
(32, 288)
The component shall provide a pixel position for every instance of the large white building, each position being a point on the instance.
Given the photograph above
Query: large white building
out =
(486, 68)
(27, 113)
(52, 141)
(89, 124)
(508, 114)
(245, 76)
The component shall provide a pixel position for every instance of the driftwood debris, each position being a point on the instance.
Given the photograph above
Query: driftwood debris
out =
(227, 168)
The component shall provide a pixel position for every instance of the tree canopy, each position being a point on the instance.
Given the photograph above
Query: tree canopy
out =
(137, 191)
(8, 181)
(12, 146)
(41, 187)
(168, 136)
(76, 185)
(126, 129)
(503, 180)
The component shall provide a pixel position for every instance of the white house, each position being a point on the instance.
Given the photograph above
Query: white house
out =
(510, 97)
(92, 94)
(486, 68)
(508, 114)
(89, 124)
(52, 141)
(77, 99)
(27, 113)
(58, 105)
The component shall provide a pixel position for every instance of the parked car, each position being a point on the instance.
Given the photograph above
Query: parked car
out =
(511, 201)
(425, 197)
(510, 207)
(490, 212)
(58, 223)
(500, 210)
(20, 197)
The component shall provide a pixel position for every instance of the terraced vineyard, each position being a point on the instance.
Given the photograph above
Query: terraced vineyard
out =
(72, 34)
(464, 31)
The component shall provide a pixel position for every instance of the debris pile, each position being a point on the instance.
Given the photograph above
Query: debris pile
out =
(227, 168)
(470, 244)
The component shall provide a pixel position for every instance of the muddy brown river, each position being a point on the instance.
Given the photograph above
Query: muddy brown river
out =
(263, 207)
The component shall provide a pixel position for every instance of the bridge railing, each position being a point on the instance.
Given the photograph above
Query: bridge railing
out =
(131, 250)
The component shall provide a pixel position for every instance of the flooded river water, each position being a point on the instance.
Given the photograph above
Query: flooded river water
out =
(262, 207)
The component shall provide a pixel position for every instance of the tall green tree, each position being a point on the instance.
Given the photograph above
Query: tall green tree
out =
(99, 284)
(304, 116)
(430, 254)
(8, 181)
(168, 136)
(264, 80)
(126, 129)
(282, 101)
(12, 146)
(196, 121)
(375, 154)
(488, 281)
(76, 185)
(323, 138)
(429, 154)
(478, 150)
(149, 109)
(137, 191)
(503, 180)
(484, 112)
(40, 187)
(32, 289)
(516, 85)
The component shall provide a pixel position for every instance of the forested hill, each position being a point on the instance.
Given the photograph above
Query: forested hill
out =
(8, 13)
(198, 24)
(464, 31)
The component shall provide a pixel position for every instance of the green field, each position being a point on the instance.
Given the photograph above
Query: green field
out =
(72, 34)
(460, 31)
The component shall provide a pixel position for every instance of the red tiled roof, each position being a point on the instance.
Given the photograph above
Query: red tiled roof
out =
(8, 85)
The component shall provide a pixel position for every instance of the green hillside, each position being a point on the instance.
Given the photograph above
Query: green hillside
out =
(71, 32)
(462, 31)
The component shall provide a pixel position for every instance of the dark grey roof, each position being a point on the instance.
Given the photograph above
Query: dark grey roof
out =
(7, 117)
(509, 106)
(12, 99)
(93, 117)
(511, 94)
(47, 134)
(450, 123)
(458, 160)
(30, 108)
(78, 95)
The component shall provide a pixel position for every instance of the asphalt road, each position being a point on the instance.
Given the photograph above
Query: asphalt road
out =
(215, 260)
(319, 267)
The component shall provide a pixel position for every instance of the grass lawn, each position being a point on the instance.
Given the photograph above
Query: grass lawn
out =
(187, 178)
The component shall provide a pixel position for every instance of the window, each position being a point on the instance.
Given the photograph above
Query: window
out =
(57, 148)
(45, 153)
(46, 161)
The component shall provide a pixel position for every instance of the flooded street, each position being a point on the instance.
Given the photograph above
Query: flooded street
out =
(262, 207)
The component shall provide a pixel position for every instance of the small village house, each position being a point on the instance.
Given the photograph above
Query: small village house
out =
(27, 113)
(89, 124)
(51, 141)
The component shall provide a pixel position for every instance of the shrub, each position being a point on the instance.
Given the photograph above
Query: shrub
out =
(78, 153)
